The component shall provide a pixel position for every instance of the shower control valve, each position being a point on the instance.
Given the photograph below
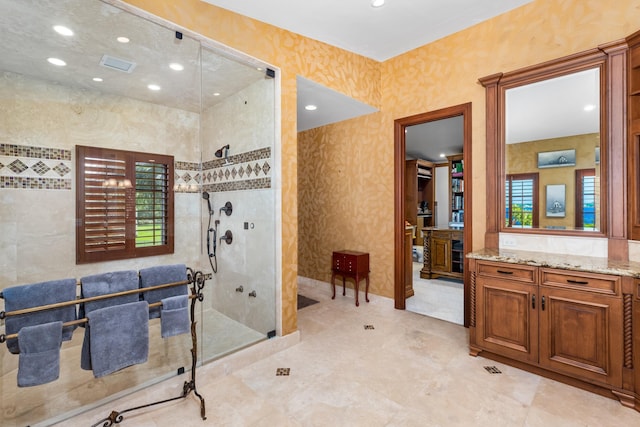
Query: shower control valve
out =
(227, 237)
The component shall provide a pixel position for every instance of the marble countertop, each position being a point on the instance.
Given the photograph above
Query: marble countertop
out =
(562, 261)
(443, 228)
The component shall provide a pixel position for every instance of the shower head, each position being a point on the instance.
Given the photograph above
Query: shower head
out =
(205, 195)
(222, 151)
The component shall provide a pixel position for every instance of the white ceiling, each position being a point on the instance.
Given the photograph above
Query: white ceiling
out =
(28, 39)
(331, 106)
(377, 33)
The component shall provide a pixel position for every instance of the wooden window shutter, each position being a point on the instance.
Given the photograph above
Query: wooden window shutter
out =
(108, 219)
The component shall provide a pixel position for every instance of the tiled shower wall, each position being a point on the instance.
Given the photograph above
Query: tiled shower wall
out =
(40, 125)
(244, 121)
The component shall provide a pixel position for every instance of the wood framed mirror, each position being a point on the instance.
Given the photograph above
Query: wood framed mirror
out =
(567, 182)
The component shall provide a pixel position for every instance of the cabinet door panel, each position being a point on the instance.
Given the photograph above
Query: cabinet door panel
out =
(507, 323)
(580, 335)
(441, 255)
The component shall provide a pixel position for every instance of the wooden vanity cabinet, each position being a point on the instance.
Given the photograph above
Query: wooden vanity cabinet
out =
(566, 322)
(507, 318)
(580, 325)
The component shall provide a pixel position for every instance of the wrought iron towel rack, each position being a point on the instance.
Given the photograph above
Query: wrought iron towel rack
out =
(194, 278)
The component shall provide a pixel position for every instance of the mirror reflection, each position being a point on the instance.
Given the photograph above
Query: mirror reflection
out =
(552, 153)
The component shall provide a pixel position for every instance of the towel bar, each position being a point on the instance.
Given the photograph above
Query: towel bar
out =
(84, 320)
(4, 314)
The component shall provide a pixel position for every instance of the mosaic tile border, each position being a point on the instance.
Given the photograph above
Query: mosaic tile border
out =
(35, 168)
(245, 171)
(34, 183)
(28, 167)
(37, 152)
(187, 177)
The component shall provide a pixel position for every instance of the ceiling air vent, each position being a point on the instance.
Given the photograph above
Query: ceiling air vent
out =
(117, 63)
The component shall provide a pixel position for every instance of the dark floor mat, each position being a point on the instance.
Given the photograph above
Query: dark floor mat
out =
(305, 302)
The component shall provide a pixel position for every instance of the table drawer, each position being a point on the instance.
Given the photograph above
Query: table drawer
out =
(520, 273)
(350, 262)
(592, 282)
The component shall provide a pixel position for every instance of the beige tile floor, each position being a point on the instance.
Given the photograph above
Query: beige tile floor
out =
(409, 370)
(440, 298)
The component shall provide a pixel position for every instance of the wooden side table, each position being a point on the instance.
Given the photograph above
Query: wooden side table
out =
(350, 264)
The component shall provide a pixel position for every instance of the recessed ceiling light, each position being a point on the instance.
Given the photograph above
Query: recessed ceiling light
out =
(216, 94)
(153, 87)
(589, 107)
(310, 107)
(377, 3)
(61, 29)
(259, 68)
(97, 79)
(442, 155)
(56, 61)
(175, 66)
(122, 39)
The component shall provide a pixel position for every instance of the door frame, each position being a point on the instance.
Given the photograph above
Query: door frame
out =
(400, 125)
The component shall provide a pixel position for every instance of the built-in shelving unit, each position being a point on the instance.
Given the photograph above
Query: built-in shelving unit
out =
(633, 111)
(456, 197)
(419, 196)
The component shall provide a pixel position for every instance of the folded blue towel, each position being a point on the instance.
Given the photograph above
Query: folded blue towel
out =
(102, 284)
(174, 317)
(119, 337)
(39, 360)
(159, 276)
(43, 293)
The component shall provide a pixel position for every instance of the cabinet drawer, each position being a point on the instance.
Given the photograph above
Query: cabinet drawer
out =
(520, 273)
(441, 235)
(591, 282)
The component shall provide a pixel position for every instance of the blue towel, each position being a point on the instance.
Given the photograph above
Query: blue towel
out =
(43, 293)
(159, 276)
(102, 284)
(174, 318)
(39, 360)
(119, 337)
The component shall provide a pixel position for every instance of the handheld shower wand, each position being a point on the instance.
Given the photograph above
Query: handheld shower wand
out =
(205, 195)
(212, 236)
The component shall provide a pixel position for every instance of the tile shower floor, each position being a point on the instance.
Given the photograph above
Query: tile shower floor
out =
(372, 366)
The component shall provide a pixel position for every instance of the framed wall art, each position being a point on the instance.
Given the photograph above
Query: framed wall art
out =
(556, 203)
(554, 159)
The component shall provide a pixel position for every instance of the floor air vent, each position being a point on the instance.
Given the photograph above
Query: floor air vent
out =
(493, 370)
(282, 372)
(117, 63)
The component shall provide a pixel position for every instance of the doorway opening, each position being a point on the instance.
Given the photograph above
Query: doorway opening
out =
(405, 231)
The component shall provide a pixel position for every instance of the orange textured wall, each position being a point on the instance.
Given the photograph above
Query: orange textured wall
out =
(350, 74)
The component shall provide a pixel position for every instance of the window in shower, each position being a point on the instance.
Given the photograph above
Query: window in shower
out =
(124, 204)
